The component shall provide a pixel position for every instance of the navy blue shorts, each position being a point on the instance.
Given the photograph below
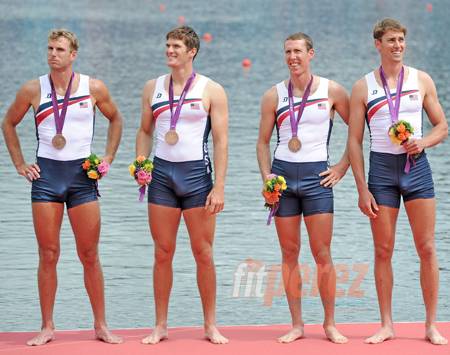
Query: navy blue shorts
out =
(304, 194)
(388, 181)
(63, 181)
(180, 184)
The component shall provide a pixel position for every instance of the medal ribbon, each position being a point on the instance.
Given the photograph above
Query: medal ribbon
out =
(393, 110)
(59, 118)
(295, 122)
(175, 116)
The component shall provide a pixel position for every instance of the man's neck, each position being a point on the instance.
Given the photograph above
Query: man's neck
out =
(181, 75)
(391, 69)
(61, 78)
(301, 81)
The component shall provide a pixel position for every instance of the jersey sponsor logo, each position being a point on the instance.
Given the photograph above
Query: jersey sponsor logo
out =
(321, 106)
(195, 106)
(375, 92)
(159, 95)
(414, 97)
(83, 104)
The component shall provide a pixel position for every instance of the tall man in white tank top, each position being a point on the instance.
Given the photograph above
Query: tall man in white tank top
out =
(57, 176)
(397, 170)
(182, 184)
(302, 109)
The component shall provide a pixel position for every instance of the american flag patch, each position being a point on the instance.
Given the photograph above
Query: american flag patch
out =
(83, 104)
(414, 97)
(195, 106)
(321, 106)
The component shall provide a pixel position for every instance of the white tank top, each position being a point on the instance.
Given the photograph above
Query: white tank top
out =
(378, 117)
(193, 125)
(78, 127)
(313, 130)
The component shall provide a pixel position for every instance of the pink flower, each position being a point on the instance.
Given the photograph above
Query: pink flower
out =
(103, 168)
(143, 178)
(270, 176)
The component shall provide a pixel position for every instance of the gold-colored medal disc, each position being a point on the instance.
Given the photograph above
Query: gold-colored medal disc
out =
(171, 137)
(59, 141)
(294, 144)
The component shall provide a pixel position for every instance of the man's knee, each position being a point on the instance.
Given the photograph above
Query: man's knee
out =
(203, 256)
(88, 257)
(323, 257)
(383, 252)
(426, 251)
(49, 255)
(290, 252)
(164, 255)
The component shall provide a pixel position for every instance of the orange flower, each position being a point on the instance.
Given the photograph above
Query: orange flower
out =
(277, 187)
(407, 134)
(86, 164)
(271, 197)
(401, 136)
(401, 128)
(92, 174)
(140, 158)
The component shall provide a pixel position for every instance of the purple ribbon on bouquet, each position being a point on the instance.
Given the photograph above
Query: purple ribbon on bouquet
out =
(272, 212)
(395, 109)
(142, 192)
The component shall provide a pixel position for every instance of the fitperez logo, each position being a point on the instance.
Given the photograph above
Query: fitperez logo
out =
(285, 99)
(158, 96)
(49, 96)
(254, 279)
(374, 92)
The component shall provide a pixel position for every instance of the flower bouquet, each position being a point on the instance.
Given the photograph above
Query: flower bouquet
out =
(400, 132)
(95, 168)
(141, 170)
(273, 188)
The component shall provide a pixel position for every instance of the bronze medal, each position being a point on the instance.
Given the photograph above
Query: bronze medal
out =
(294, 144)
(171, 137)
(59, 141)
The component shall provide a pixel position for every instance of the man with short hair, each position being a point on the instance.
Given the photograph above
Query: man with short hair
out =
(64, 104)
(181, 108)
(302, 108)
(386, 95)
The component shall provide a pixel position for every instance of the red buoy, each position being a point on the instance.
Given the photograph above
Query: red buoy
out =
(246, 63)
(207, 37)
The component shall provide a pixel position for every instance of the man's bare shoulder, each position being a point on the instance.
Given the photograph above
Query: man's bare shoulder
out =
(214, 87)
(97, 86)
(30, 89)
(270, 96)
(360, 87)
(424, 77)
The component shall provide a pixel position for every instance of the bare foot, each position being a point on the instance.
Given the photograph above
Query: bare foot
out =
(103, 334)
(294, 334)
(46, 335)
(159, 333)
(334, 335)
(214, 336)
(385, 333)
(434, 337)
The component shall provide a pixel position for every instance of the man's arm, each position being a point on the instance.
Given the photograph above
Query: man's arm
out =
(219, 125)
(13, 117)
(266, 125)
(109, 109)
(340, 103)
(435, 114)
(144, 136)
(358, 99)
